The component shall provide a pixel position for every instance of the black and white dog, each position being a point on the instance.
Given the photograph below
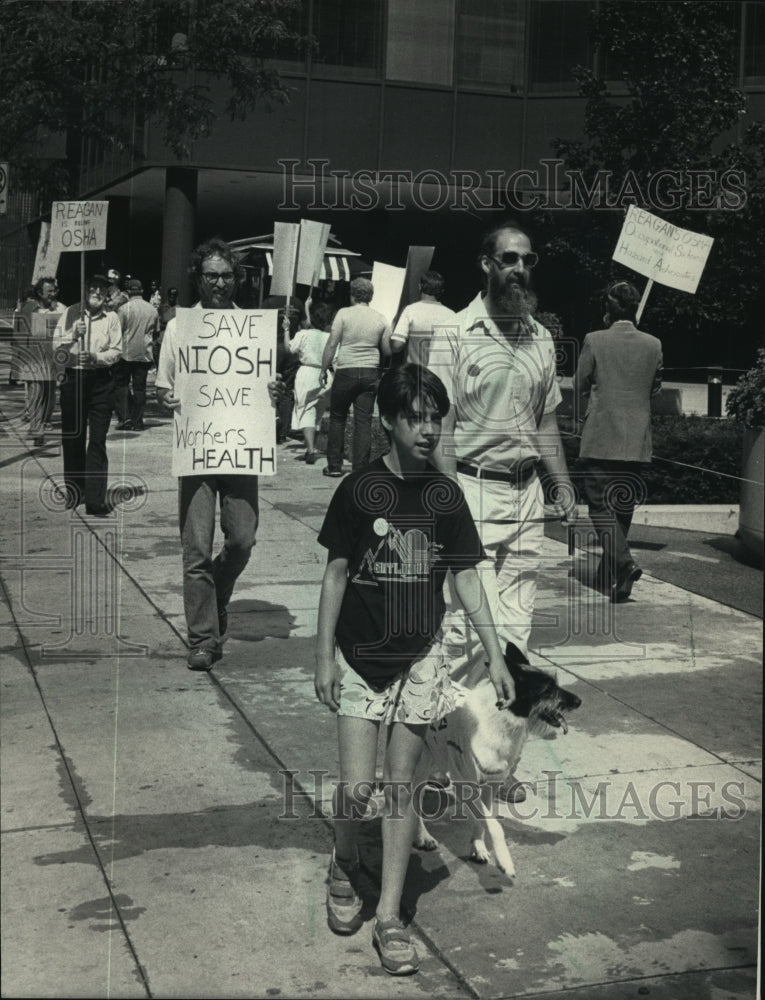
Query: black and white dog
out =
(481, 744)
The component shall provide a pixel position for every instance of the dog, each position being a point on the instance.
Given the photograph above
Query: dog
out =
(480, 743)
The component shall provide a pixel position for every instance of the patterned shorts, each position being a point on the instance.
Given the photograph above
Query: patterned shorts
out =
(419, 696)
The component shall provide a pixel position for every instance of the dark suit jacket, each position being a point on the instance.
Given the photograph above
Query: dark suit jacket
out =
(619, 369)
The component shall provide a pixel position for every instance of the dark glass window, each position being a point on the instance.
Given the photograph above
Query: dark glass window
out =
(491, 44)
(420, 41)
(754, 42)
(348, 35)
(560, 40)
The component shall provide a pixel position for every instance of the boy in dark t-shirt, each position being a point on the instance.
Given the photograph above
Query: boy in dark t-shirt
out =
(392, 531)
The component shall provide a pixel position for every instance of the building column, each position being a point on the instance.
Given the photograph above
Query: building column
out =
(178, 231)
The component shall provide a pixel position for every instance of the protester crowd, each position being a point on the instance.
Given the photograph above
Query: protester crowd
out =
(468, 404)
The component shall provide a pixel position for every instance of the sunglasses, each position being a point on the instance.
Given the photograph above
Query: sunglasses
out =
(510, 258)
(215, 279)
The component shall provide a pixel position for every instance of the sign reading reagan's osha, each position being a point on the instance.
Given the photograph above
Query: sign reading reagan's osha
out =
(661, 251)
(225, 424)
(78, 225)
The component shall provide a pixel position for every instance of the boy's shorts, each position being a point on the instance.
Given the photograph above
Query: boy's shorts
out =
(419, 696)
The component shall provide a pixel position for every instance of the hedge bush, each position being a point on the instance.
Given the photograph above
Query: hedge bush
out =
(678, 442)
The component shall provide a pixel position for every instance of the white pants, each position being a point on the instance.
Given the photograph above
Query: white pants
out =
(511, 526)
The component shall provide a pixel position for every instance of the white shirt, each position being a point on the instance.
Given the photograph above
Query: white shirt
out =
(499, 390)
(416, 325)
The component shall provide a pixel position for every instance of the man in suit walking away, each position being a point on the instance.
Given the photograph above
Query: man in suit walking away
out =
(619, 370)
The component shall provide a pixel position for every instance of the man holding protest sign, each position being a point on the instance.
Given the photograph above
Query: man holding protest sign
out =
(619, 370)
(39, 319)
(414, 329)
(209, 583)
(88, 343)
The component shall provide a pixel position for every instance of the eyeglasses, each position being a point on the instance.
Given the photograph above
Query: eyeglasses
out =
(214, 278)
(510, 258)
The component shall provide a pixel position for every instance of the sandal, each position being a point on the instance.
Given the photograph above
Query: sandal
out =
(344, 904)
(395, 948)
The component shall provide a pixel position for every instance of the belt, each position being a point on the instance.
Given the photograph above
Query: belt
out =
(521, 473)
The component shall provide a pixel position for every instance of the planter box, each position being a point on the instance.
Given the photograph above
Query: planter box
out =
(752, 508)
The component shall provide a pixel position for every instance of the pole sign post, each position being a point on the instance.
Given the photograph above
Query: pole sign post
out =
(226, 422)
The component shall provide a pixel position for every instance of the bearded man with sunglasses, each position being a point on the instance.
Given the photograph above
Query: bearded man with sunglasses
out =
(498, 366)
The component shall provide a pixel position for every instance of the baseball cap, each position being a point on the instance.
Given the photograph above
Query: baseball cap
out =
(133, 286)
(97, 280)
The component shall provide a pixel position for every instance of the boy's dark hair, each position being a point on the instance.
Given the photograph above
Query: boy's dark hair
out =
(400, 387)
(622, 300)
(432, 283)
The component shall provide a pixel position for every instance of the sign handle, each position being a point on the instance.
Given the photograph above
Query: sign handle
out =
(643, 301)
(82, 298)
(286, 320)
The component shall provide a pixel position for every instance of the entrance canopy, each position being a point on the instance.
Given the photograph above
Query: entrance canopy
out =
(339, 264)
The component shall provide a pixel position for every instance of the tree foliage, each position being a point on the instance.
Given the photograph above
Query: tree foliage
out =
(94, 69)
(662, 102)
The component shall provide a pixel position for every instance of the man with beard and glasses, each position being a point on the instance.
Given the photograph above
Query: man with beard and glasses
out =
(498, 366)
(208, 582)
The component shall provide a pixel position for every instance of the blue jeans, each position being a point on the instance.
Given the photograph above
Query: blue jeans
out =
(208, 583)
(355, 386)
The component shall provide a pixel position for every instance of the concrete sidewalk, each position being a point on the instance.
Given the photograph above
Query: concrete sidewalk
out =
(164, 833)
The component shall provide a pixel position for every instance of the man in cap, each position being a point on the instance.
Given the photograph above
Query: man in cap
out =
(115, 297)
(88, 344)
(140, 325)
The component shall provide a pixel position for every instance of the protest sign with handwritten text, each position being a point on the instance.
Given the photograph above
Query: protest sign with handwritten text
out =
(78, 225)
(662, 252)
(224, 361)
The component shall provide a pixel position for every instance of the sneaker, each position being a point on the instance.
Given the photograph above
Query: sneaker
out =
(394, 946)
(344, 904)
(333, 473)
(202, 659)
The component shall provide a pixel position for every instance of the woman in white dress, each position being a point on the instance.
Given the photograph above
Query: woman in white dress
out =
(311, 397)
